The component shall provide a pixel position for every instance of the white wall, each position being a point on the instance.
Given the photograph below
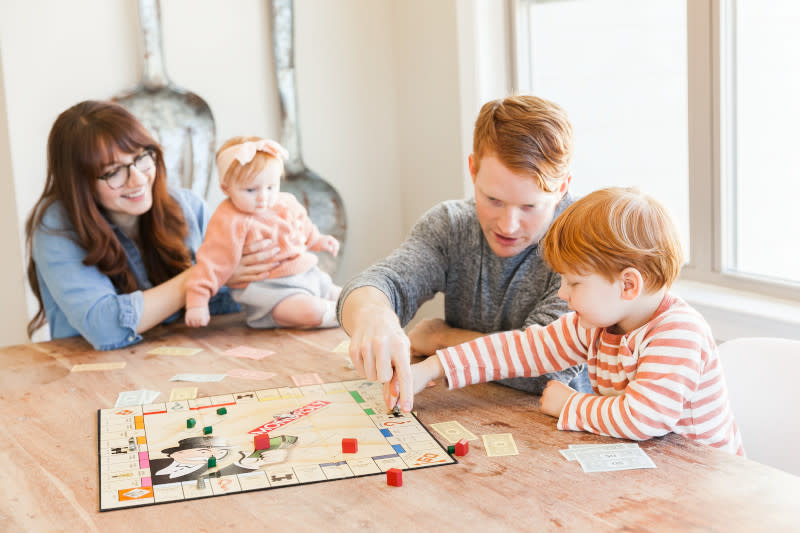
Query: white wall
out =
(12, 321)
(378, 89)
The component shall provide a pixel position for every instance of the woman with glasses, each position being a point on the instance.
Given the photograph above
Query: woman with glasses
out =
(109, 245)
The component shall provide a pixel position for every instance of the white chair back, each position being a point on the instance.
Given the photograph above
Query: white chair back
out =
(763, 376)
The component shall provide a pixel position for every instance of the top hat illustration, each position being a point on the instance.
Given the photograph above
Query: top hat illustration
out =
(198, 442)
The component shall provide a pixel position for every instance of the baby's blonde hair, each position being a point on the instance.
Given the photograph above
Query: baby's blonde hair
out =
(238, 173)
(612, 229)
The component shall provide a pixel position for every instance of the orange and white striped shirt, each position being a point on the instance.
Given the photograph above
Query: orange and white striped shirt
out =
(662, 377)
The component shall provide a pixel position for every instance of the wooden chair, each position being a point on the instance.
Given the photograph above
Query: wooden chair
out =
(763, 376)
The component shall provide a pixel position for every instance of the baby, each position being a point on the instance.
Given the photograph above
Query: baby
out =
(296, 293)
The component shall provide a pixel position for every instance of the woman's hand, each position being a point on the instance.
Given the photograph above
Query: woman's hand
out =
(257, 261)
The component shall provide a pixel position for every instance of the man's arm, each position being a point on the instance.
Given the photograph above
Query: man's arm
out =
(434, 334)
(374, 306)
(379, 348)
(550, 306)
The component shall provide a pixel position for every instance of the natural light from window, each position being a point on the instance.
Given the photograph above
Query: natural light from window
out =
(763, 209)
(618, 67)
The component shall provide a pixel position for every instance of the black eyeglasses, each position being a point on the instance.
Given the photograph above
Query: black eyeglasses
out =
(117, 178)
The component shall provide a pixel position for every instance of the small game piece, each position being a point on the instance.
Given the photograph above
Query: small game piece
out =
(461, 447)
(349, 445)
(212, 462)
(396, 411)
(207, 430)
(451, 449)
(261, 442)
(191, 422)
(394, 477)
(132, 444)
(222, 411)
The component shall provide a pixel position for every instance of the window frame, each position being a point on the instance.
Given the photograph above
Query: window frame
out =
(711, 137)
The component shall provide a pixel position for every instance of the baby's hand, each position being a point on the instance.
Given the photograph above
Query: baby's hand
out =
(554, 396)
(330, 245)
(197, 316)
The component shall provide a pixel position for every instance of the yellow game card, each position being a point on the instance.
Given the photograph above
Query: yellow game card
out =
(342, 347)
(89, 367)
(183, 393)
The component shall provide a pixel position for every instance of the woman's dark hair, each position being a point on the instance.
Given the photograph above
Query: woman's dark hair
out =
(83, 141)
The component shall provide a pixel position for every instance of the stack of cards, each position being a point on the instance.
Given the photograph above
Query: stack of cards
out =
(608, 457)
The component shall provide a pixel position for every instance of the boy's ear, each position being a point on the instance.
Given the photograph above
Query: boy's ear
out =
(224, 187)
(632, 283)
(472, 168)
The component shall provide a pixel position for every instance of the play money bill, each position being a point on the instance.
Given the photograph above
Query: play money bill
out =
(174, 350)
(452, 431)
(198, 377)
(135, 397)
(92, 367)
(183, 393)
(613, 460)
(569, 454)
(498, 444)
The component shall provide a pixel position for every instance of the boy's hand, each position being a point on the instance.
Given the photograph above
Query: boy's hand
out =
(423, 375)
(197, 316)
(554, 396)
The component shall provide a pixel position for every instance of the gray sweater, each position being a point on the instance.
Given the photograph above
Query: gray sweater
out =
(447, 252)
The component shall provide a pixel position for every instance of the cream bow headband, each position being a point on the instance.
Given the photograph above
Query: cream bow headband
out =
(245, 152)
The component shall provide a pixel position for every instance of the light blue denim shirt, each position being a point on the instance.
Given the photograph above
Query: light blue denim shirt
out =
(80, 300)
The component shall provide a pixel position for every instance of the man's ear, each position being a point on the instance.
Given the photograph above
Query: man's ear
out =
(562, 190)
(473, 169)
(632, 283)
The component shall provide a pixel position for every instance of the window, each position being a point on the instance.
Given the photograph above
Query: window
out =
(762, 184)
(693, 102)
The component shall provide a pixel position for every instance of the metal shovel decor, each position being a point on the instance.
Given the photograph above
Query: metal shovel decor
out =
(180, 120)
(323, 203)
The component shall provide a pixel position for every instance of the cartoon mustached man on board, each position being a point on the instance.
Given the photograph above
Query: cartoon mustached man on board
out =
(189, 459)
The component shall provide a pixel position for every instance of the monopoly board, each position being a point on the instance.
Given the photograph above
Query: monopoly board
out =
(149, 454)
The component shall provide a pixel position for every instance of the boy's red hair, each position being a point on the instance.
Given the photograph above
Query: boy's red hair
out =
(612, 229)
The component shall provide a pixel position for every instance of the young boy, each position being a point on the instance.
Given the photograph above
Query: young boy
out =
(652, 359)
(296, 293)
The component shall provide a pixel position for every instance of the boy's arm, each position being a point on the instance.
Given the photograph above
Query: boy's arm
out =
(667, 375)
(532, 352)
(422, 373)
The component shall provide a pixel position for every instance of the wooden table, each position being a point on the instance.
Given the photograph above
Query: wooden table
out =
(49, 478)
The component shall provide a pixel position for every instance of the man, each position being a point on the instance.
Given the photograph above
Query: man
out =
(481, 253)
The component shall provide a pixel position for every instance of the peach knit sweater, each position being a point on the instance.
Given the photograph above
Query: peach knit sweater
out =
(230, 231)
